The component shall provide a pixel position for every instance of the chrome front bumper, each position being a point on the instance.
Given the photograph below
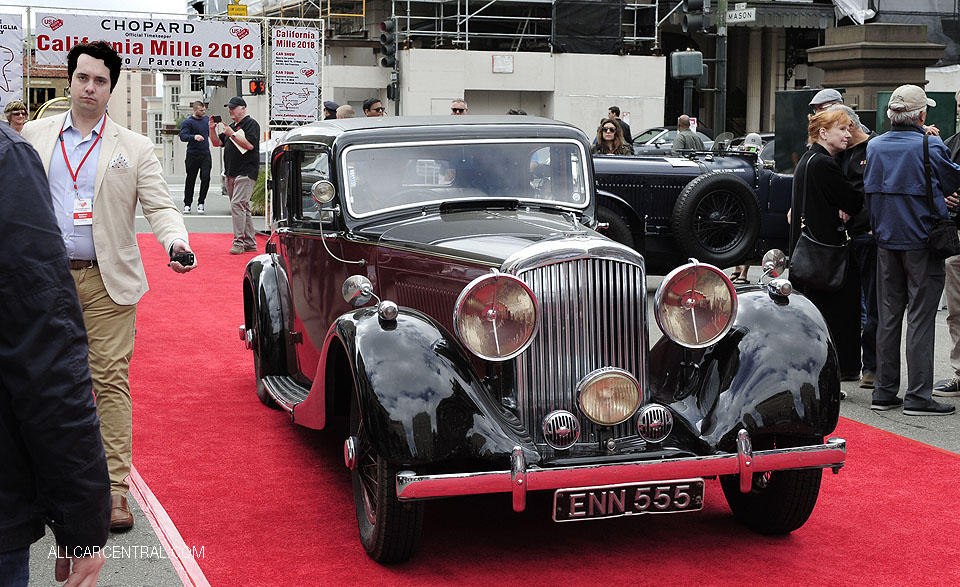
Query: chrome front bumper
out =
(519, 480)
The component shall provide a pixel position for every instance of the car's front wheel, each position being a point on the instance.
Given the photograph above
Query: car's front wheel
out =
(389, 529)
(779, 502)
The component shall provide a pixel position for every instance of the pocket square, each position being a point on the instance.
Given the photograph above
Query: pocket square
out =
(119, 162)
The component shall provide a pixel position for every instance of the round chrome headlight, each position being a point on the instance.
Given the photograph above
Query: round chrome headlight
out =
(496, 316)
(609, 396)
(695, 305)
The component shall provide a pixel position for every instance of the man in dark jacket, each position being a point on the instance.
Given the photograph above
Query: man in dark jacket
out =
(909, 277)
(195, 132)
(53, 466)
(951, 289)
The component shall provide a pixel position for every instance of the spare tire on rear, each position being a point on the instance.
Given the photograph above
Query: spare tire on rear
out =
(716, 219)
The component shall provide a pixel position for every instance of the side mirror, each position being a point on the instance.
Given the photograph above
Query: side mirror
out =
(357, 290)
(774, 262)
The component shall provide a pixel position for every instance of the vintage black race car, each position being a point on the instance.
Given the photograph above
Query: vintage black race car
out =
(437, 284)
(722, 208)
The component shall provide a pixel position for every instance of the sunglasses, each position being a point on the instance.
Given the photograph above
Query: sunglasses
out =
(609, 129)
(459, 110)
(18, 113)
(380, 109)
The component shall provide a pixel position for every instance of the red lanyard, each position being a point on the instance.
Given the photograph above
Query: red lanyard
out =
(74, 175)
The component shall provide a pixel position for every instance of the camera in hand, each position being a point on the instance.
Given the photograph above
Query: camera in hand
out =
(185, 259)
(216, 118)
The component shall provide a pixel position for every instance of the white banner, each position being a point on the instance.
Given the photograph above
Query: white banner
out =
(296, 74)
(168, 45)
(11, 58)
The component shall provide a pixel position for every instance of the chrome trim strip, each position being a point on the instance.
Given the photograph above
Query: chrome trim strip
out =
(832, 454)
(518, 479)
(745, 457)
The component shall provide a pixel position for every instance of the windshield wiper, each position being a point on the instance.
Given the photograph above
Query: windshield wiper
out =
(460, 205)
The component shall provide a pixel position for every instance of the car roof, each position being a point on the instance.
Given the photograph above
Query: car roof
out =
(326, 131)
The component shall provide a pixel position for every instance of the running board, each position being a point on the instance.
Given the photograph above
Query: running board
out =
(285, 391)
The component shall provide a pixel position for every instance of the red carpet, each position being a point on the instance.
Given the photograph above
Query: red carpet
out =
(271, 503)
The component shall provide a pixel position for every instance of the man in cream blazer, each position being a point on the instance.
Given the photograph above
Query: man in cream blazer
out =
(98, 173)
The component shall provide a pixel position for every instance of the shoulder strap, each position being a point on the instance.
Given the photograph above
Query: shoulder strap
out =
(928, 171)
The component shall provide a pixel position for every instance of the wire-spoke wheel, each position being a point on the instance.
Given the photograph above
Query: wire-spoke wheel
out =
(716, 219)
(389, 530)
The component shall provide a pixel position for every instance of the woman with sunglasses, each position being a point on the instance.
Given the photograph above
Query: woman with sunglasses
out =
(610, 140)
(16, 113)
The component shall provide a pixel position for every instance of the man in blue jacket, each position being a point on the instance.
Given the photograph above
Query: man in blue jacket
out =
(195, 132)
(909, 277)
(52, 465)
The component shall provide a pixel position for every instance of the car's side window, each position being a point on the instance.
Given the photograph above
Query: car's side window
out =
(281, 181)
(314, 166)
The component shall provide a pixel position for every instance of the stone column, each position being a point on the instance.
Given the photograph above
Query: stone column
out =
(754, 76)
(873, 58)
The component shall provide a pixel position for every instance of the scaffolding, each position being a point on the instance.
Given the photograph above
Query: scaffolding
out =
(507, 24)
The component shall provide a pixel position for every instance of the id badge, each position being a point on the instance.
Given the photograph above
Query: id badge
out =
(82, 212)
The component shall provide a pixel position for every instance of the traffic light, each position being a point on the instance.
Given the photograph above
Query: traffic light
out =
(388, 43)
(694, 15)
(256, 87)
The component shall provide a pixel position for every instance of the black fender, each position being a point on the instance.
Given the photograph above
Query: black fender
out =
(263, 307)
(775, 372)
(716, 219)
(420, 398)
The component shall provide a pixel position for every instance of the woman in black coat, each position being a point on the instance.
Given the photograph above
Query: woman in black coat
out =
(823, 200)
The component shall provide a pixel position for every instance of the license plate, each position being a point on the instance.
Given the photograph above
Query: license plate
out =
(628, 499)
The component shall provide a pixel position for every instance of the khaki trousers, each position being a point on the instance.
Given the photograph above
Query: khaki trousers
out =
(110, 334)
(240, 189)
(951, 292)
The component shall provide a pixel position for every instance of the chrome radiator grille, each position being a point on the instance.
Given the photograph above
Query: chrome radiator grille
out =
(592, 316)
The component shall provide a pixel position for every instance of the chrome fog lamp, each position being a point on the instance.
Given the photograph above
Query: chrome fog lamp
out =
(496, 316)
(695, 305)
(609, 396)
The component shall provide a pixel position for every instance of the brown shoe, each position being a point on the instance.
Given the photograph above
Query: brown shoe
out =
(250, 249)
(867, 380)
(236, 250)
(120, 516)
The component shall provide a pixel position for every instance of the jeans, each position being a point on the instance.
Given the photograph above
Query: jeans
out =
(15, 568)
(865, 253)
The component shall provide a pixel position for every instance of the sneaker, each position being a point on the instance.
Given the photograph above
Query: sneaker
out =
(950, 388)
(882, 405)
(199, 208)
(843, 394)
(867, 381)
(236, 250)
(931, 409)
(186, 209)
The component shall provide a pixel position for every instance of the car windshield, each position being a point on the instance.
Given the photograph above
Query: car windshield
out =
(385, 177)
(647, 135)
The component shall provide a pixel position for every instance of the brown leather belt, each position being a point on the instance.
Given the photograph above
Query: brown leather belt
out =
(81, 264)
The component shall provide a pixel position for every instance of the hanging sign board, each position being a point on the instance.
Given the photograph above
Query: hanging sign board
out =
(149, 43)
(11, 59)
(295, 92)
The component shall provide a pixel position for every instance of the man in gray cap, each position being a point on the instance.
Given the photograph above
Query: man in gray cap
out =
(909, 277)
(824, 99)
(330, 110)
(241, 162)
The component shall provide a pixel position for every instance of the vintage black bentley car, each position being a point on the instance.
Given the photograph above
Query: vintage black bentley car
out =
(722, 207)
(438, 283)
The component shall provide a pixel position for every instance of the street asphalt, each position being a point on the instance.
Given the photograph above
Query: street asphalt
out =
(140, 560)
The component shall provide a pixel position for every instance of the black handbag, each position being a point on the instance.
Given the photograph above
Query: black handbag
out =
(817, 265)
(943, 240)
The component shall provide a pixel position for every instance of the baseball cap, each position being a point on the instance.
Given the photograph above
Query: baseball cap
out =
(824, 96)
(909, 97)
(331, 106)
(236, 101)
